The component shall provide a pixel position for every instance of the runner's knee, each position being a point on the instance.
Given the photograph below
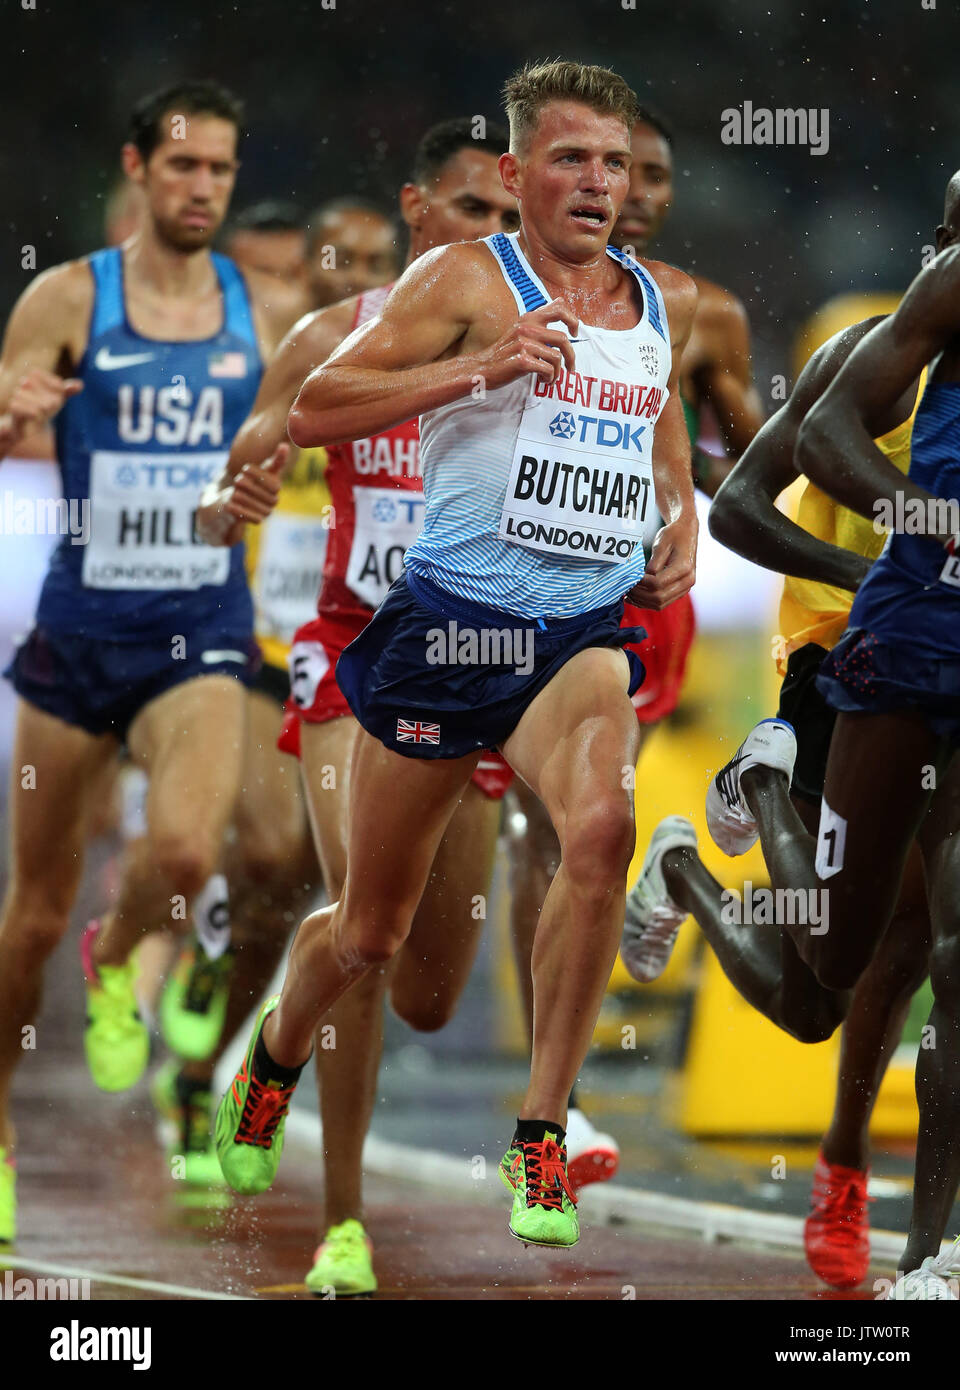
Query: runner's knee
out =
(423, 1015)
(598, 839)
(33, 928)
(184, 862)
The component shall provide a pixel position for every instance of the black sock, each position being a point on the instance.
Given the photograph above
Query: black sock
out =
(265, 1069)
(532, 1131)
(188, 1086)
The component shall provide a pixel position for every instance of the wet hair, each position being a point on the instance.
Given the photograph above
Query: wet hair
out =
(645, 116)
(538, 84)
(202, 98)
(446, 139)
(269, 216)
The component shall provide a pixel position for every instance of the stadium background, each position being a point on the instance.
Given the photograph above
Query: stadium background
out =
(336, 99)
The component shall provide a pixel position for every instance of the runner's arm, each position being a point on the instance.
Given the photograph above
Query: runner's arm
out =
(725, 383)
(390, 370)
(835, 445)
(671, 569)
(43, 329)
(261, 451)
(744, 515)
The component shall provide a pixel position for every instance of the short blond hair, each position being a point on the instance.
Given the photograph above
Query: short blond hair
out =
(536, 84)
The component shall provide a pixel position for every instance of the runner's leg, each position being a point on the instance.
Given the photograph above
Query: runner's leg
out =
(190, 741)
(576, 747)
(53, 767)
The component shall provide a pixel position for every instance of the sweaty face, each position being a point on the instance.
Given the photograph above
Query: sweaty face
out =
(572, 179)
(651, 190)
(189, 178)
(352, 251)
(466, 201)
(282, 254)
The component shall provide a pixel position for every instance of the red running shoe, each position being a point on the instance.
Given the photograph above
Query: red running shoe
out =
(836, 1235)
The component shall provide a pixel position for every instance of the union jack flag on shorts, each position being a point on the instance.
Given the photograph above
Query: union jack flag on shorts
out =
(415, 731)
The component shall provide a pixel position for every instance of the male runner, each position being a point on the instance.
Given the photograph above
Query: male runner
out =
(516, 417)
(149, 357)
(888, 774)
(376, 488)
(269, 861)
(714, 373)
(825, 555)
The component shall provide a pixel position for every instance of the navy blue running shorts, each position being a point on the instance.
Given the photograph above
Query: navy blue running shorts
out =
(102, 686)
(863, 675)
(435, 676)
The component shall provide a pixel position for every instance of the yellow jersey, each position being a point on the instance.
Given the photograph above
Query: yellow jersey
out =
(285, 556)
(811, 611)
(838, 313)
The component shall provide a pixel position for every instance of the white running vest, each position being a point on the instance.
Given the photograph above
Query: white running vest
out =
(540, 498)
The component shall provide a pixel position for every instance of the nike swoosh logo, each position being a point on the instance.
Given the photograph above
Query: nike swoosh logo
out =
(210, 658)
(106, 362)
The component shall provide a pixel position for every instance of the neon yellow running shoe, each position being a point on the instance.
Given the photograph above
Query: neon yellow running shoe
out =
(8, 1198)
(193, 1004)
(184, 1105)
(115, 1039)
(544, 1206)
(251, 1119)
(344, 1262)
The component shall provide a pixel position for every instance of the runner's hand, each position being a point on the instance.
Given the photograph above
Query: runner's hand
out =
(37, 397)
(530, 346)
(672, 567)
(256, 488)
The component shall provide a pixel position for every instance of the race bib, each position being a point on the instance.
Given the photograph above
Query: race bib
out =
(388, 521)
(288, 574)
(142, 510)
(581, 480)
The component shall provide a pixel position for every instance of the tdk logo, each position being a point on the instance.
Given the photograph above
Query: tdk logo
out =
(384, 510)
(162, 475)
(595, 429)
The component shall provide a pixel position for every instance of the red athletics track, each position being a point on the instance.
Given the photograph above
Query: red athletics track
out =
(97, 1201)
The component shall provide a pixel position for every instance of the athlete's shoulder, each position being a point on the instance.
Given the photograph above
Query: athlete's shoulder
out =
(826, 362)
(679, 292)
(63, 287)
(716, 306)
(326, 327)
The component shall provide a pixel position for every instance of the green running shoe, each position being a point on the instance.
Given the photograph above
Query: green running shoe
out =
(250, 1121)
(115, 1040)
(544, 1207)
(344, 1262)
(194, 1002)
(184, 1105)
(8, 1198)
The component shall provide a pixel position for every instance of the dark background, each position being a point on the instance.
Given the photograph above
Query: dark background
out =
(337, 98)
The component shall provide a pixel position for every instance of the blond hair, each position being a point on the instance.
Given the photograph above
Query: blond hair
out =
(536, 84)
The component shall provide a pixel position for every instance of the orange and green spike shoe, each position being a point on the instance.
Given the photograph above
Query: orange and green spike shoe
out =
(251, 1119)
(544, 1206)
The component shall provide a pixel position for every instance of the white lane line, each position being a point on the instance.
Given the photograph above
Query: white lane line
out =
(10, 1260)
(607, 1202)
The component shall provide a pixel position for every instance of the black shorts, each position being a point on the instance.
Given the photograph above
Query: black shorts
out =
(273, 681)
(102, 686)
(803, 706)
(434, 676)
